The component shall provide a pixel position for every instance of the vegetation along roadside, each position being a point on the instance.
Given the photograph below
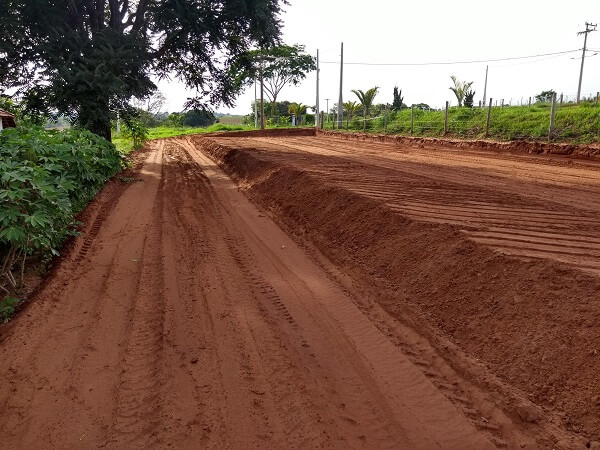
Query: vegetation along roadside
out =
(46, 178)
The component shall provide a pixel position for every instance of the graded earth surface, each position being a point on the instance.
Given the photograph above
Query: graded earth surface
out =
(293, 290)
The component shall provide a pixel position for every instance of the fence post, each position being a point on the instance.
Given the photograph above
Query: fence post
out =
(446, 119)
(322, 124)
(487, 123)
(530, 101)
(385, 119)
(561, 99)
(597, 96)
(552, 111)
(412, 119)
(502, 103)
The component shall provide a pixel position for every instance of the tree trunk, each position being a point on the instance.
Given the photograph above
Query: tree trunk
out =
(97, 120)
(273, 106)
(365, 121)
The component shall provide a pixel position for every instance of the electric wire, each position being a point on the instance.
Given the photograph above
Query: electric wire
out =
(439, 63)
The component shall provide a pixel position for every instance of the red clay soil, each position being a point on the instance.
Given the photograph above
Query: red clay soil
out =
(185, 317)
(494, 259)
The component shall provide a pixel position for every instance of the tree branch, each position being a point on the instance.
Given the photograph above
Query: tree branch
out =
(139, 16)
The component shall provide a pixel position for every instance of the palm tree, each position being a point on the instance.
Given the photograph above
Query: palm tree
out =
(297, 109)
(460, 89)
(366, 100)
(350, 108)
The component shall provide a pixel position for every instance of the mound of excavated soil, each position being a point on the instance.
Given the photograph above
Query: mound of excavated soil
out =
(534, 324)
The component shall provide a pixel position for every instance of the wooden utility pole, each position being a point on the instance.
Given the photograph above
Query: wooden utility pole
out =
(487, 123)
(385, 119)
(552, 112)
(589, 27)
(317, 115)
(446, 119)
(340, 111)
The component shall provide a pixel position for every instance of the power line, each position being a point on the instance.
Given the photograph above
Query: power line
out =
(438, 63)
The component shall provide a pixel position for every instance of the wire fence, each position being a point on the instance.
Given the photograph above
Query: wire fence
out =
(551, 119)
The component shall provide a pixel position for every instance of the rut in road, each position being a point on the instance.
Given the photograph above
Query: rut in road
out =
(187, 318)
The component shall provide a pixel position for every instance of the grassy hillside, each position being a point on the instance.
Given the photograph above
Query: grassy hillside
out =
(573, 123)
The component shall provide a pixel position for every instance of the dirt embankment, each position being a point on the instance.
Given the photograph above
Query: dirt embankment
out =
(527, 329)
(574, 150)
(583, 151)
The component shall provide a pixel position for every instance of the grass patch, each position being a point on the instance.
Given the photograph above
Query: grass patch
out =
(125, 144)
(573, 123)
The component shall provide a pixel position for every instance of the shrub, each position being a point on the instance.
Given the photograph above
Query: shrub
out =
(46, 177)
(137, 131)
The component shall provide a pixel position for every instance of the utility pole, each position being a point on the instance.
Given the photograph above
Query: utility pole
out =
(589, 27)
(262, 98)
(340, 111)
(327, 100)
(485, 85)
(317, 107)
(255, 106)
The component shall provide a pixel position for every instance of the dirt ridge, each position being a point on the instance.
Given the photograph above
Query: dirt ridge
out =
(531, 323)
(533, 147)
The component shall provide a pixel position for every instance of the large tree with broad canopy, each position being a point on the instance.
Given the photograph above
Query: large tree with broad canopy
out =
(86, 58)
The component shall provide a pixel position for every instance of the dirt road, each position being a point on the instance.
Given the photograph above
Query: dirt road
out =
(185, 317)
(526, 206)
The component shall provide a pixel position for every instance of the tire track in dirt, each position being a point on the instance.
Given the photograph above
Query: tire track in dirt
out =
(461, 188)
(521, 314)
(189, 319)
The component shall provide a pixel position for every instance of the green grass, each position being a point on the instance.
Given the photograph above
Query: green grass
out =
(126, 145)
(7, 308)
(573, 123)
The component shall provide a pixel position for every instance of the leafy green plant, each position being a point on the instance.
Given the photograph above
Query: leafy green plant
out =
(46, 177)
(298, 110)
(366, 100)
(137, 131)
(350, 108)
(460, 89)
(7, 308)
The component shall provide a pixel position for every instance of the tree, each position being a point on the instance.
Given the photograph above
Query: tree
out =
(545, 96)
(469, 96)
(281, 65)
(198, 118)
(85, 58)
(298, 110)
(153, 103)
(366, 100)
(350, 108)
(460, 89)
(175, 120)
(398, 102)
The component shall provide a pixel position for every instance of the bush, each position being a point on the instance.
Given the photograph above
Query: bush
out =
(137, 131)
(46, 177)
(198, 118)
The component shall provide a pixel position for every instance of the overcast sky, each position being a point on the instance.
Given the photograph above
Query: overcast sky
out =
(393, 31)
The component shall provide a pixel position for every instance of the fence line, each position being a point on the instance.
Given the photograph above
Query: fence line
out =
(551, 120)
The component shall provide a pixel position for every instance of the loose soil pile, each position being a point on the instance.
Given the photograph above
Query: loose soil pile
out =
(533, 324)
